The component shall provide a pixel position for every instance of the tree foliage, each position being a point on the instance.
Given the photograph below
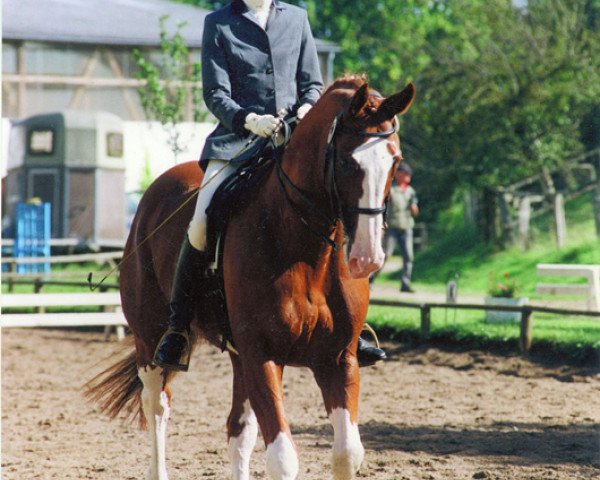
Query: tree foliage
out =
(172, 85)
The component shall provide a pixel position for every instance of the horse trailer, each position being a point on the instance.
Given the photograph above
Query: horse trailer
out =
(73, 160)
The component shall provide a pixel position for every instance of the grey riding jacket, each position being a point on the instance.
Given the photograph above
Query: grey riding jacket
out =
(246, 68)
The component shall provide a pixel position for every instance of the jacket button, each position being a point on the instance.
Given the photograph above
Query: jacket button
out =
(271, 92)
(269, 70)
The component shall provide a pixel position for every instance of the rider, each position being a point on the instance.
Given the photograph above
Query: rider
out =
(258, 58)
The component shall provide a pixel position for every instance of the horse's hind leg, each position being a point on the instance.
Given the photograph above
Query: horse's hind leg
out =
(242, 426)
(156, 403)
(339, 386)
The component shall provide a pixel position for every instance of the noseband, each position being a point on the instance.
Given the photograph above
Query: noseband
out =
(339, 210)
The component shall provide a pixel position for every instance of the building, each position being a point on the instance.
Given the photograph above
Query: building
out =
(68, 65)
(77, 54)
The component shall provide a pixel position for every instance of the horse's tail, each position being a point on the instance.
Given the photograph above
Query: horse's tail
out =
(118, 389)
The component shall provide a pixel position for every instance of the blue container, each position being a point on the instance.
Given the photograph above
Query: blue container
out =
(32, 236)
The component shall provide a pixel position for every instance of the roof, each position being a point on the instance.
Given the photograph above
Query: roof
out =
(104, 22)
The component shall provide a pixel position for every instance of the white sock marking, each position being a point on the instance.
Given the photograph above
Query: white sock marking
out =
(240, 447)
(282, 460)
(348, 452)
(155, 403)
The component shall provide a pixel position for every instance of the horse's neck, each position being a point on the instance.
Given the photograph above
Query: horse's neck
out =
(296, 240)
(298, 226)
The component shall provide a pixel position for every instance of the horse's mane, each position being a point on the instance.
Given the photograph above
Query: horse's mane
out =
(349, 81)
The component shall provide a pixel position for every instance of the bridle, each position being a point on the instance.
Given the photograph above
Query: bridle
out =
(340, 211)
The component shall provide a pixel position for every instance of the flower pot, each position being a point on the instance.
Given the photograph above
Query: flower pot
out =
(498, 316)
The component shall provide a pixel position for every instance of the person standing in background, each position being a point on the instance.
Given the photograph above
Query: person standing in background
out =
(403, 207)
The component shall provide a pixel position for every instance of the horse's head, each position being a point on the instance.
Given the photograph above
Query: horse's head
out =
(364, 152)
(356, 156)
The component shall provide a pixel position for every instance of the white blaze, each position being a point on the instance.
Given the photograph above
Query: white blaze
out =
(375, 160)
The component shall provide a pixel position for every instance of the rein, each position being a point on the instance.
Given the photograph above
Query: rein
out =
(340, 211)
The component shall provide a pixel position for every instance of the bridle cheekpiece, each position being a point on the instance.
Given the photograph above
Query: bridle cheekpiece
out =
(339, 210)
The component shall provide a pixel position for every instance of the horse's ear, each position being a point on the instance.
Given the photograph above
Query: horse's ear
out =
(359, 100)
(397, 104)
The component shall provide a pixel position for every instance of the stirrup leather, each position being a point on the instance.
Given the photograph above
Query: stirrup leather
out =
(184, 360)
(368, 328)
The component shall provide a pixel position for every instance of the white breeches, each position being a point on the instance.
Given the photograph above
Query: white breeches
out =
(216, 172)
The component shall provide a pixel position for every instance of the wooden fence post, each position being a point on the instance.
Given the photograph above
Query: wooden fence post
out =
(596, 204)
(524, 215)
(425, 321)
(38, 284)
(506, 226)
(526, 328)
(559, 220)
(11, 283)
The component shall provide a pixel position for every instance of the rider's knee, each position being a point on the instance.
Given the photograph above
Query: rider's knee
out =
(197, 234)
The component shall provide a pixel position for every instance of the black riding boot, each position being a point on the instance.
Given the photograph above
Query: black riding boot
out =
(173, 349)
(368, 354)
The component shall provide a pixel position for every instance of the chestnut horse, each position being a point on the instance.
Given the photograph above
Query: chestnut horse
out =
(296, 266)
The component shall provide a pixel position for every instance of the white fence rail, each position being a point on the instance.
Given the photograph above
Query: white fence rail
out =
(110, 302)
(102, 257)
(591, 289)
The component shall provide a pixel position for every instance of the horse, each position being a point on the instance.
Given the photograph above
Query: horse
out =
(295, 269)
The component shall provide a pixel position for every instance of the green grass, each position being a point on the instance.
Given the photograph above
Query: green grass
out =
(459, 250)
(571, 338)
(77, 272)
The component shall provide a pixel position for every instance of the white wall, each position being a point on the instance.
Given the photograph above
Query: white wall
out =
(5, 133)
(145, 140)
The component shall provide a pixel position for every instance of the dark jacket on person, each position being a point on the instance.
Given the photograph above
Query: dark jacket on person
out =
(246, 68)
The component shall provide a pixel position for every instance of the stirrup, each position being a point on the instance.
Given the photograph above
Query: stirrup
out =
(368, 328)
(369, 354)
(184, 357)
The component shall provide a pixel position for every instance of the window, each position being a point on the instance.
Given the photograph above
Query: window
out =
(114, 144)
(41, 141)
(9, 58)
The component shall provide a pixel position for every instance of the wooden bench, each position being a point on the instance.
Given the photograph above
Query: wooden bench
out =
(111, 316)
(591, 289)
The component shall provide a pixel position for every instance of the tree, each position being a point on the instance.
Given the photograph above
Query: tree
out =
(172, 85)
(505, 98)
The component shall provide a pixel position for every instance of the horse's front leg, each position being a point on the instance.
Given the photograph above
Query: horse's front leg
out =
(339, 386)
(242, 426)
(156, 403)
(263, 380)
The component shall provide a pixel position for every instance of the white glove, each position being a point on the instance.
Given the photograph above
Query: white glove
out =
(261, 125)
(302, 111)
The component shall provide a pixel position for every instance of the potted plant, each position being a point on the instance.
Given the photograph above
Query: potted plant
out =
(502, 291)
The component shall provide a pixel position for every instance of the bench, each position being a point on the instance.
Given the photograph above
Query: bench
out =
(591, 289)
(111, 316)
